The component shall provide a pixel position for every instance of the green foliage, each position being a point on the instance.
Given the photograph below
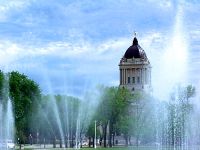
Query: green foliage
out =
(25, 94)
(91, 129)
(179, 110)
(1, 84)
(190, 91)
(112, 106)
(119, 112)
(55, 110)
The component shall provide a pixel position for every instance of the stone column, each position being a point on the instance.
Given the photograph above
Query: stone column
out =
(141, 82)
(120, 76)
(123, 76)
(143, 76)
(146, 81)
(150, 76)
(126, 76)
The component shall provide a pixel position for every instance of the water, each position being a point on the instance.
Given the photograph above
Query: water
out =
(65, 123)
(64, 119)
(166, 116)
(6, 119)
(58, 120)
(172, 68)
(175, 121)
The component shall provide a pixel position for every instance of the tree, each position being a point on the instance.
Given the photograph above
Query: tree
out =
(59, 117)
(91, 132)
(179, 111)
(25, 94)
(113, 102)
(1, 85)
(136, 118)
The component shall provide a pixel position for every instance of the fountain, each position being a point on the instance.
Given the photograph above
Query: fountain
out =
(61, 118)
(173, 111)
(64, 119)
(6, 118)
(168, 117)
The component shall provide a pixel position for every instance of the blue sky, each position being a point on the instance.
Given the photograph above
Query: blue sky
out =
(70, 46)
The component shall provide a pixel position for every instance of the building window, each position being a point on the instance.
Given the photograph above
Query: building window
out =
(129, 80)
(138, 80)
(133, 80)
(146, 81)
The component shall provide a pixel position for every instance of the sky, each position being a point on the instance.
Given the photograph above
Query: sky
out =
(71, 46)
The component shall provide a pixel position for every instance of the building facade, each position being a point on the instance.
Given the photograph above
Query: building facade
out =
(135, 69)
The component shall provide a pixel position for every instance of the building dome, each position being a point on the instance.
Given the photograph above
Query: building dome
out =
(134, 51)
(135, 69)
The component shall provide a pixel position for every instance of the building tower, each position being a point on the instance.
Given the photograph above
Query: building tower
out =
(135, 69)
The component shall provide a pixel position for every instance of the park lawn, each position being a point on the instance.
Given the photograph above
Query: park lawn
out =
(197, 147)
(119, 148)
(115, 148)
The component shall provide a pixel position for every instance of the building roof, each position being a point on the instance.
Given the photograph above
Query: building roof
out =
(135, 51)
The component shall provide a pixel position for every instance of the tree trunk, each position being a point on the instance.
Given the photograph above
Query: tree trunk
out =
(54, 142)
(105, 134)
(89, 141)
(66, 143)
(110, 140)
(60, 143)
(100, 142)
(137, 140)
(129, 140)
(93, 141)
(72, 141)
(44, 142)
(113, 140)
(81, 142)
(110, 134)
(126, 139)
(183, 130)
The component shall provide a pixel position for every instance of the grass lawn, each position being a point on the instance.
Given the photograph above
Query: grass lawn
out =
(121, 148)
(50, 147)
(115, 148)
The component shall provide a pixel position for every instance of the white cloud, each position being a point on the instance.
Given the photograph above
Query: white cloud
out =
(163, 4)
(8, 6)
(9, 52)
(16, 51)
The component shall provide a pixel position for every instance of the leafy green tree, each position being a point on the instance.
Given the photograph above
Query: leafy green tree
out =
(1, 84)
(59, 115)
(25, 94)
(2, 88)
(134, 116)
(180, 109)
(91, 132)
(112, 105)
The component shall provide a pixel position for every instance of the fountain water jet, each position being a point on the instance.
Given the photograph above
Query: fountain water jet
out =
(172, 126)
(174, 61)
(6, 118)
